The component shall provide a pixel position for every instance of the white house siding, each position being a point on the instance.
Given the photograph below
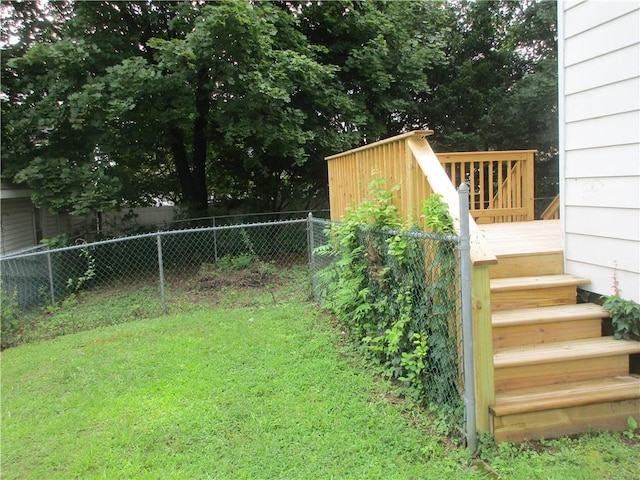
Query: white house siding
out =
(600, 142)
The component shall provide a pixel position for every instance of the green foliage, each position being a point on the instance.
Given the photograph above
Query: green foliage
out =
(400, 306)
(127, 102)
(64, 185)
(235, 262)
(57, 241)
(88, 270)
(9, 318)
(631, 431)
(497, 89)
(436, 214)
(625, 317)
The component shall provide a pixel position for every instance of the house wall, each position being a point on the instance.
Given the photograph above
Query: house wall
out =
(23, 225)
(599, 106)
(142, 216)
(17, 229)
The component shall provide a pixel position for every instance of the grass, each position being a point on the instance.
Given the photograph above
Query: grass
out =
(237, 384)
(587, 457)
(262, 391)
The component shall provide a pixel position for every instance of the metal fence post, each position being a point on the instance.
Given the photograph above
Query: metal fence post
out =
(161, 273)
(467, 321)
(215, 239)
(51, 289)
(310, 248)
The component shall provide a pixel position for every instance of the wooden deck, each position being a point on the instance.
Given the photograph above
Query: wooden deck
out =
(542, 366)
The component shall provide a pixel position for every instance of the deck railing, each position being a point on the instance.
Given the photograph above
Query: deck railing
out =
(500, 183)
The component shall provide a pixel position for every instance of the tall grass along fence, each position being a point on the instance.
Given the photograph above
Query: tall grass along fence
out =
(407, 309)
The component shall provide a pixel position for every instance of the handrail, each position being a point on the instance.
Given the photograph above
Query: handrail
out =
(440, 183)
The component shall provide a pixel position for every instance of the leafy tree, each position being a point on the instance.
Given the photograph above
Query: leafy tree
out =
(108, 102)
(498, 90)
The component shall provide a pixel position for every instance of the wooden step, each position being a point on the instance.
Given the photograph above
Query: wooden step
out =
(528, 264)
(549, 397)
(531, 292)
(563, 351)
(568, 361)
(527, 326)
(558, 422)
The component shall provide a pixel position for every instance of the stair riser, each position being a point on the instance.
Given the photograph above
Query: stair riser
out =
(520, 335)
(609, 416)
(541, 297)
(565, 371)
(529, 265)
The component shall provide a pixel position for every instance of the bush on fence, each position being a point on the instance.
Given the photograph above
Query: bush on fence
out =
(396, 292)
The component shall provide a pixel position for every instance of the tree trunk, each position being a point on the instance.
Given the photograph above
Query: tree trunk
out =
(176, 141)
(203, 103)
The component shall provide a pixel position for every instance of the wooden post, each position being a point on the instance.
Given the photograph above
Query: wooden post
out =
(483, 348)
(528, 185)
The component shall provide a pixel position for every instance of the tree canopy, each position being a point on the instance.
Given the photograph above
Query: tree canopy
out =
(111, 103)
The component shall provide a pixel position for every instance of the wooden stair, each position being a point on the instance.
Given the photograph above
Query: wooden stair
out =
(555, 373)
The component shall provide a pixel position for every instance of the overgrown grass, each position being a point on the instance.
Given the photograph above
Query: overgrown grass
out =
(240, 383)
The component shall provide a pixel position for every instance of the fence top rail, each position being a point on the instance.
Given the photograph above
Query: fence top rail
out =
(152, 235)
(418, 234)
(242, 215)
(414, 133)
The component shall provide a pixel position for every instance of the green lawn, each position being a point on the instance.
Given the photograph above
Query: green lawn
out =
(244, 393)
(255, 384)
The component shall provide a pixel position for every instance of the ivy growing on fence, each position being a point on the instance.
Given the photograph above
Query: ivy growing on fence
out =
(395, 291)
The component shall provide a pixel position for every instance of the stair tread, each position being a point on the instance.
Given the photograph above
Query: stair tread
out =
(548, 397)
(536, 282)
(549, 314)
(562, 351)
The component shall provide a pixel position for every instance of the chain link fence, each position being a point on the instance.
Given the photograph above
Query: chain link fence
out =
(46, 277)
(152, 219)
(404, 308)
(419, 294)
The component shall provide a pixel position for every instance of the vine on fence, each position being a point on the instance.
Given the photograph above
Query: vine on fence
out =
(76, 282)
(380, 291)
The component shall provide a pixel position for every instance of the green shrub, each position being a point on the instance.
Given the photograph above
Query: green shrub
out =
(625, 317)
(396, 294)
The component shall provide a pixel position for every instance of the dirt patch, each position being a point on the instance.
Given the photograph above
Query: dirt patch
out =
(257, 274)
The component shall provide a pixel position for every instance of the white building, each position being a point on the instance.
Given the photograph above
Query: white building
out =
(599, 107)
